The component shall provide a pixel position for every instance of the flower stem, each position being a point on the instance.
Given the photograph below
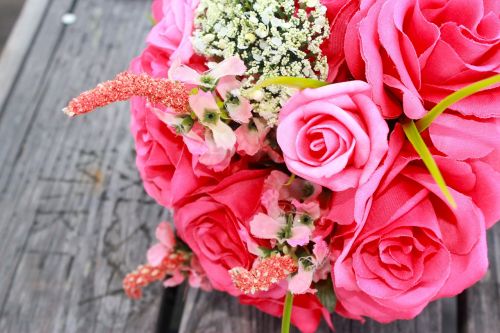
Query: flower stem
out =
(289, 81)
(287, 313)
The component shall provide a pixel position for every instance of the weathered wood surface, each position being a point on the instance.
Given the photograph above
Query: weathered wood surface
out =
(16, 47)
(216, 312)
(479, 307)
(9, 10)
(74, 218)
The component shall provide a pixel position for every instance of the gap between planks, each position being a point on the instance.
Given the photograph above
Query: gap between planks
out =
(18, 45)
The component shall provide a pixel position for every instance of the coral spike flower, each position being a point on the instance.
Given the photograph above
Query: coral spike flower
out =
(126, 85)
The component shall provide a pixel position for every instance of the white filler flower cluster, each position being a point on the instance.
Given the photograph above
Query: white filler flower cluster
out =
(272, 37)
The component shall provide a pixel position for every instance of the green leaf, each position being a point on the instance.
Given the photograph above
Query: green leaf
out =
(326, 294)
(426, 121)
(421, 148)
(290, 81)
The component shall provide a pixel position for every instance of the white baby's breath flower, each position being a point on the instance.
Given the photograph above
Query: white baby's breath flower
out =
(272, 37)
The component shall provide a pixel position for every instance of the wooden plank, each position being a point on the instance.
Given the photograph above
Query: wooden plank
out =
(74, 216)
(19, 42)
(480, 305)
(171, 308)
(430, 320)
(478, 310)
(216, 312)
(219, 313)
(9, 12)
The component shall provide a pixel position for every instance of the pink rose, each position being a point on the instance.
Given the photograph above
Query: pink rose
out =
(412, 248)
(475, 143)
(306, 313)
(157, 10)
(210, 222)
(339, 13)
(172, 33)
(333, 136)
(166, 244)
(153, 61)
(418, 52)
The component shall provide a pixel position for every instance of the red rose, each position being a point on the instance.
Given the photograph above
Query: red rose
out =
(162, 159)
(411, 248)
(210, 223)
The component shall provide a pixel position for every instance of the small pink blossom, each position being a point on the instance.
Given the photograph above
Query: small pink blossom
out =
(310, 209)
(232, 66)
(166, 238)
(211, 141)
(238, 107)
(320, 251)
(166, 263)
(215, 157)
(312, 268)
(301, 282)
(250, 137)
(274, 191)
(252, 246)
(294, 222)
(206, 109)
(265, 227)
(197, 276)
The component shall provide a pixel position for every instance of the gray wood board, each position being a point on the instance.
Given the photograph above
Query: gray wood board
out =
(476, 310)
(16, 48)
(216, 312)
(74, 216)
(479, 306)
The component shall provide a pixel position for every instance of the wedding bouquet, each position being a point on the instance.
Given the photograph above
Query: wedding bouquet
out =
(317, 156)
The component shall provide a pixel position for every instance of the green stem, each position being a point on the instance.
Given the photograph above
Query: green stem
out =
(290, 81)
(426, 121)
(421, 148)
(290, 180)
(287, 313)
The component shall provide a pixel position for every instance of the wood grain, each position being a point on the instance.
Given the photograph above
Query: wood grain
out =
(17, 45)
(74, 216)
(480, 304)
(476, 310)
(216, 312)
(220, 313)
